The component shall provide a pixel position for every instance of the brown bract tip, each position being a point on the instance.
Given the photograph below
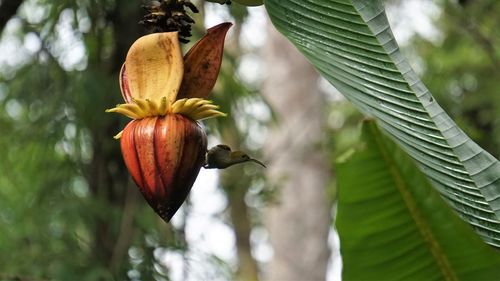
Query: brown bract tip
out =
(202, 63)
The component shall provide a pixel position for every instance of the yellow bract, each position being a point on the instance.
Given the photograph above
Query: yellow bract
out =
(150, 80)
(155, 67)
(194, 108)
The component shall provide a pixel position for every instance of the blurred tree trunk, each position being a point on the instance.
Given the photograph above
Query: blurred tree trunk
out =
(108, 179)
(235, 184)
(240, 219)
(299, 221)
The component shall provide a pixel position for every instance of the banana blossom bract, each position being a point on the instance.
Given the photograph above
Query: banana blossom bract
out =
(164, 146)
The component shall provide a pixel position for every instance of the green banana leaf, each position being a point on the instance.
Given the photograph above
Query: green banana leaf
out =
(351, 44)
(394, 226)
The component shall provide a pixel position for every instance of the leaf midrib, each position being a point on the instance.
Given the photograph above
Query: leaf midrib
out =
(421, 223)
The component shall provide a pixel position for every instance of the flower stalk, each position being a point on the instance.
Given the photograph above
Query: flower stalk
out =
(169, 16)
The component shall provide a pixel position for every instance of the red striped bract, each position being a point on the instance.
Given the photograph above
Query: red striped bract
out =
(164, 155)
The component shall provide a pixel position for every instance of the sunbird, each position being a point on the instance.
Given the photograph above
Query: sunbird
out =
(221, 157)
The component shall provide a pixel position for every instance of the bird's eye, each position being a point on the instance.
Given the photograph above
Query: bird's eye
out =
(223, 146)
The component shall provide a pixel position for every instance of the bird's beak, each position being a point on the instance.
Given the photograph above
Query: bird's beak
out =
(258, 162)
